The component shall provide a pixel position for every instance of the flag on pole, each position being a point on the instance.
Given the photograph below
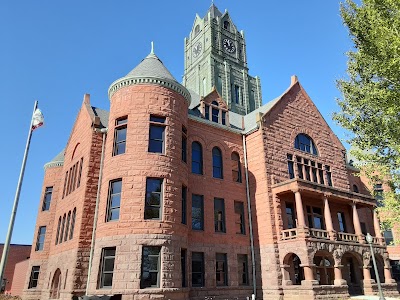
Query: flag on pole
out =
(37, 119)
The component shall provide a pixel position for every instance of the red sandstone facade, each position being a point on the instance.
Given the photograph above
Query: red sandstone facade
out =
(17, 254)
(170, 189)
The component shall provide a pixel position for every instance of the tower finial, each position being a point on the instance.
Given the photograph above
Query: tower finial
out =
(152, 47)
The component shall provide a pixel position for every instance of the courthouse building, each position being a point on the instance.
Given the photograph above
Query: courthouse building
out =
(198, 191)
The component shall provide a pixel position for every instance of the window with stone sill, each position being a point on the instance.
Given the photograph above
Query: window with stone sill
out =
(47, 198)
(221, 269)
(219, 215)
(243, 269)
(215, 113)
(40, 238)
(308, 169)
(157, 134)
(150, 277)
(154, 199)
(114, 200)
(315, 217)
(305, 143)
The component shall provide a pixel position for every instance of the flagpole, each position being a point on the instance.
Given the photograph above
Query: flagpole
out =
(15, 206)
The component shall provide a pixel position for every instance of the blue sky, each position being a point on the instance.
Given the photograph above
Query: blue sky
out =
(55, 52)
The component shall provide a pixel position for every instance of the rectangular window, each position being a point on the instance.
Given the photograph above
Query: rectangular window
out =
(197, 269)
(183, 267)
(80, 173)
(120, 136)
(184, 204)
(290, 216)
(236, 94)
(33, 280)
(221, 269)
(153, 198)
(223, 113)
(150, 267)
(219, 215)
(184, 144)
(197, 212)
(243, 269)
(215, 114)
(342, 223)
(239, 217)
(114, 200)
(206, 112)
(321, 174)
(328, 175)
(40, 238)
(65, 184)
(290, 166)
(378, 194)
(299, 167)
(157, 134)
(315, 217)
(219, 85)
(388, 235)
(107, 267)
(47, 198)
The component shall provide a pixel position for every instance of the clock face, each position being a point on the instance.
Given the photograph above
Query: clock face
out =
(197, 49)
(229, 45)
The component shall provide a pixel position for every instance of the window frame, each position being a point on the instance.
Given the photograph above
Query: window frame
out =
(217, 169)
(40, 239)
(102, 272)
(151, 271)
(200, 162)
(300, 144)
(236, 163)
(184, 144)
(184, 205)
(72, 227)
(199, 258)
(110, 197)
(243, 262)
(153, 207)
(157, 122)
(199, 198)
(219, 210)
(221, 258)
(48, 193)
(240, 219)
(312, 215)
(120, 124)
(34, 277)
(341, 221)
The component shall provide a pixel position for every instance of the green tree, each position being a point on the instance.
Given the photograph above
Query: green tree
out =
(370, 104)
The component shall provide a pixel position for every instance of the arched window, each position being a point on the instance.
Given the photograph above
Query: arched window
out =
(355, 188)
(60, 239)
(304, 143)
(71, 232)
(56, 285)
(227, 25)
(67, 227)
(197, 158)
(236, 169)
(58, 230)
(217, 163)
(197, 29)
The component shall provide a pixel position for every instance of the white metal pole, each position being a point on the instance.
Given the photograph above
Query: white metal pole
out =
(16, 199)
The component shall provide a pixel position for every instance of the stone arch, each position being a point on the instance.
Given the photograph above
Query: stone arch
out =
(292, 269)
(313, 135)
(56, 285)
(352, 264)
(76, 151)
(324, 264)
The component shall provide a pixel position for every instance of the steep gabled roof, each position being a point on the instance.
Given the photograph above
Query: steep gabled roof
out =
(214, 12)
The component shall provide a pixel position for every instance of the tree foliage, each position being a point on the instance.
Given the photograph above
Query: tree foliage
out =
(370, 104)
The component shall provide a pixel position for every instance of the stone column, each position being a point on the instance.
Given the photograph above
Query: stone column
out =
(338, 276)
(308, 275)
(286, 280)
(328, 219)
(377, 227)
(301, 223)
(357, 225)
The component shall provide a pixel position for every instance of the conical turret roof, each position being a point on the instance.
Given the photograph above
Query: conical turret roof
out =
(151, 66)
(150, 70)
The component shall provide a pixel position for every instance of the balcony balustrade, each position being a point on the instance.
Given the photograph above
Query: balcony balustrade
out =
(347, 237)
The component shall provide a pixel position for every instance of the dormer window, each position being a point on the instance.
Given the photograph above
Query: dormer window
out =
(227, 25)
(304, 143)
(215, 113)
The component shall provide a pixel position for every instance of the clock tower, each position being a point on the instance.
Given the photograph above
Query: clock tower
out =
(215, 56)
